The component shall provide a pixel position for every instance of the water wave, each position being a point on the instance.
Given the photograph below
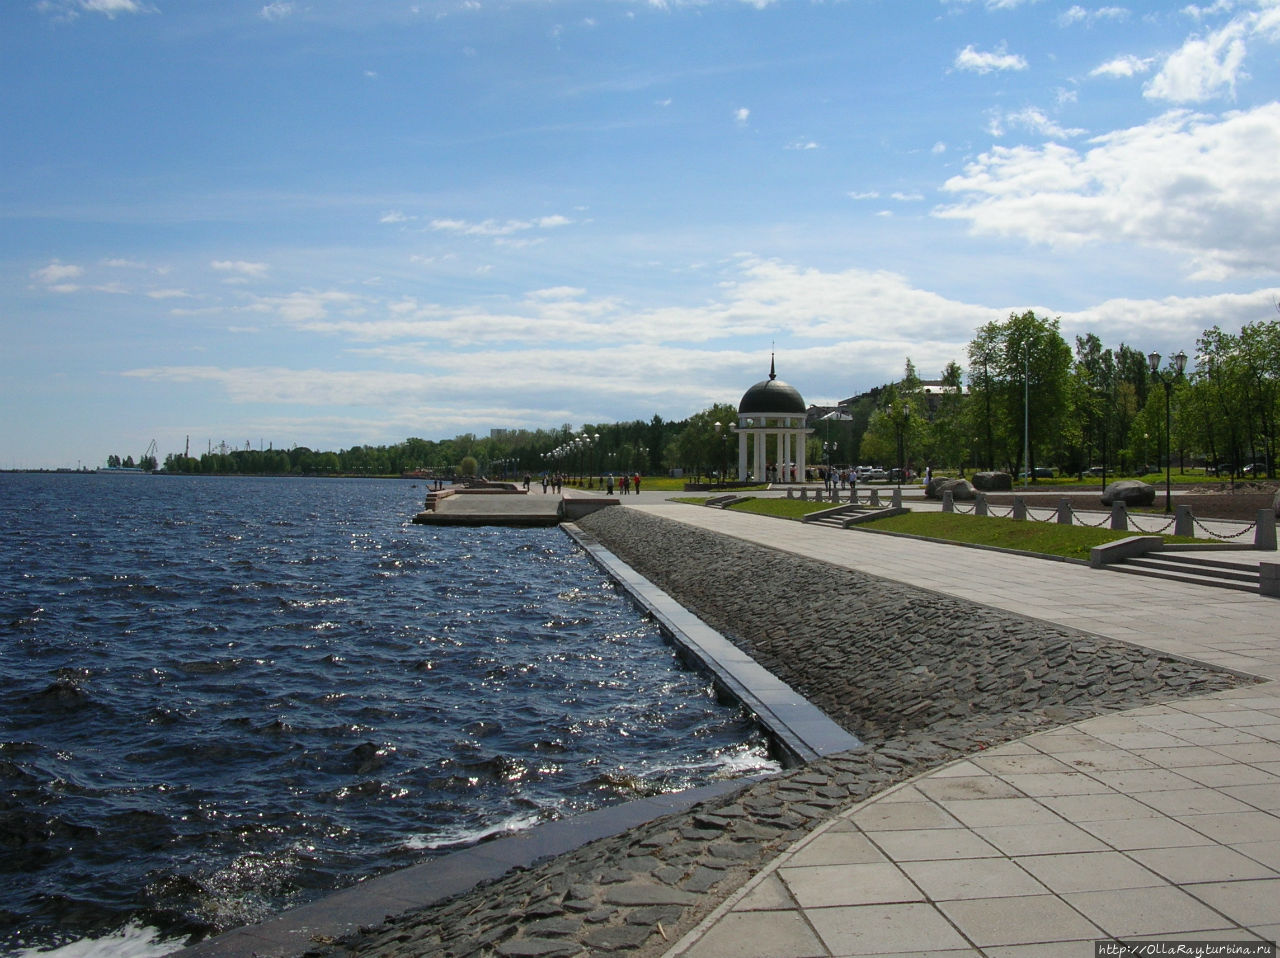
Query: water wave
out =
(231, 696)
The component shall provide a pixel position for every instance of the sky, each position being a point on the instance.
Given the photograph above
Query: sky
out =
(338, 222)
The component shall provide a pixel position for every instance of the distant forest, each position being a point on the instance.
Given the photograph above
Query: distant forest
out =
(634, 445)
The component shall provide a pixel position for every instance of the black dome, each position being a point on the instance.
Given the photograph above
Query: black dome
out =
(772, 395)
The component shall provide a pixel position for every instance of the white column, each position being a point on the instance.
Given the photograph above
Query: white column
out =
(801, 442)
(742, 455)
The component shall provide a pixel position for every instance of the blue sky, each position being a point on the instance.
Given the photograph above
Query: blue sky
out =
(330, 222)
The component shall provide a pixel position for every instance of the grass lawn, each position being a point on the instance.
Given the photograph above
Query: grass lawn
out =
(1046, 538)
(785, 508)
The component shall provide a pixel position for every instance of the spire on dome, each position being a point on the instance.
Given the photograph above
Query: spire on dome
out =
(772, 372)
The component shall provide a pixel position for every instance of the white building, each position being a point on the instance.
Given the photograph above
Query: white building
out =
(771, 430)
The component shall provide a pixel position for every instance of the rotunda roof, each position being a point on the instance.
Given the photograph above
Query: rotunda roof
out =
(772, 395)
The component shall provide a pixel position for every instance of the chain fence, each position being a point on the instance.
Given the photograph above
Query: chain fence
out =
(1157, 532)
(1104, 521)
(1135, 521)
(1215, 535)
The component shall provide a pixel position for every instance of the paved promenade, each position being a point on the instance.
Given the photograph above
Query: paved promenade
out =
(1161, 822)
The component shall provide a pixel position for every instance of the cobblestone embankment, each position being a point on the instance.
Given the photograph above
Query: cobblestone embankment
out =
(921, 678)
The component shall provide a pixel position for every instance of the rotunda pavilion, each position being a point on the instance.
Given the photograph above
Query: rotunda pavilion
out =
(771, 429)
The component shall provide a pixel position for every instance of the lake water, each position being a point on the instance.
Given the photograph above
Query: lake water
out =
(223, 697)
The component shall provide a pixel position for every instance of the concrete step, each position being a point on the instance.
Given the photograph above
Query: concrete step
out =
(1218, 573)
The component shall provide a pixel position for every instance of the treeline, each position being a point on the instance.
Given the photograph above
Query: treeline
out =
(1033, 400)
(1027, 399)
(638, 446)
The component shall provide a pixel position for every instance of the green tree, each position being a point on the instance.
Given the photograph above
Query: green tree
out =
(1021, 368)
(897, 425)
(946, 442)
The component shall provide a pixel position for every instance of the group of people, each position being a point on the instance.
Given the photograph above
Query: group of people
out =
(553, 482)
(834, 478)
(626, 483)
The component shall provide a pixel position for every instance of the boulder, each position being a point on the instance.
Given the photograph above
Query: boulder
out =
(993, 481)
(960, 489)
(1132, 492)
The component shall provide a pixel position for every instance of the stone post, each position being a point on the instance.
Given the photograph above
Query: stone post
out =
(1119, 517)
(853, 494)
(791, 493)
(948, 501)
(1065, 516)
(980, 504)
(897, 497)
(1184, 522)
(804, 494)
(875, 498)
(1019, 507)
(1269, 575)
(1264, 536)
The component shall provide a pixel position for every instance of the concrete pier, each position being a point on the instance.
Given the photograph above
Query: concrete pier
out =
(508, 507)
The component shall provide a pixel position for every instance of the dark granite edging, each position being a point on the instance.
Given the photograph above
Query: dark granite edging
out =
(799, 730)
(371, 902)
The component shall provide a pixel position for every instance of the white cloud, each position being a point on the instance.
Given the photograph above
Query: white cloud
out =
(564, 355)
(71, 9)
(240, 268)
(58, 275)
(1202, 68)
(1125, 66)
(276, 11)
(983, 63)
(558, 292)
(112, 8)
(307, 307)
(1205, 188)
(492, 227)
(994, 4)
(1078, 14)
(1033, 120)
(741, 116)
(802, 145)
(394, 216)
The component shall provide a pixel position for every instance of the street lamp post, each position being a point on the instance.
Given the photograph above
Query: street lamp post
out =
(901, 414)
(1166, 379)
(720, 445)
(1026, 413)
